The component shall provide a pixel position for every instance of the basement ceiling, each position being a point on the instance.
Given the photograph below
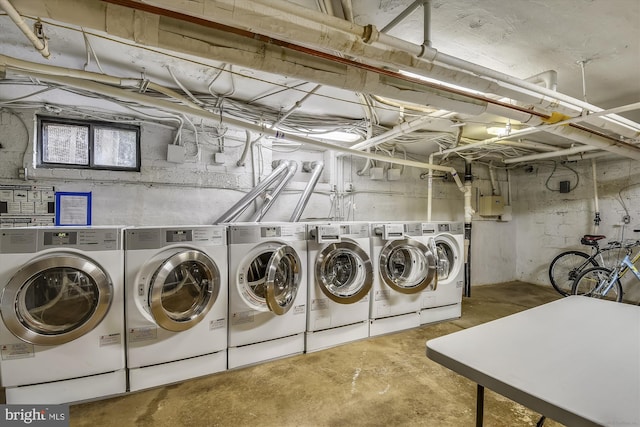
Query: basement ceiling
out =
(310, 68)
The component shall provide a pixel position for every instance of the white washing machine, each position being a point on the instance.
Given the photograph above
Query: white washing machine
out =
(267, 291)
(340, 276)
(403, 268)
(62, 329)
(176, 303)
(445, 302)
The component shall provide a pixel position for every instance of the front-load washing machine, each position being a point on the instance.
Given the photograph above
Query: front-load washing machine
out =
(267, 291)
(340, 280)
(62, 328)
(176, 303)
(445, 302)
(403, 268)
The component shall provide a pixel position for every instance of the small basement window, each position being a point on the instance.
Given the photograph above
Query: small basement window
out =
(83, 144)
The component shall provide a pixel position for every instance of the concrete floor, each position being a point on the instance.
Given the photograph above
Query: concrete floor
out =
(382, 381)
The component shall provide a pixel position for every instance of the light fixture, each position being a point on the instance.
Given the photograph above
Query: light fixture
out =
(441, 83)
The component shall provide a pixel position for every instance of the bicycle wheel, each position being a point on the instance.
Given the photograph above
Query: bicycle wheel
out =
(589, 280)
(564, 269)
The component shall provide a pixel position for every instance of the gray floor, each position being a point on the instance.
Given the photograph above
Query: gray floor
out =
(382, 381)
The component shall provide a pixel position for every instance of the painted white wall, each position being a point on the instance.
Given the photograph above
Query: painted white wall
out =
(549, 222)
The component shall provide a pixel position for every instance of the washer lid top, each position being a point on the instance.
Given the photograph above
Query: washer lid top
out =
(407, 266)
(344, 272)
(56, 299)
(183, 289)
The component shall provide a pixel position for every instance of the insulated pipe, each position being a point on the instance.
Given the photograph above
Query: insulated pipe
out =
(199, 112)
(533, 145)
(271, 198)
(551, 154)
(351, 40)
(29, 67)
(236, 210)
(495, 189)
(430, 190)
(40, 45)
(468, 214)
(596, 216)
(308, 190)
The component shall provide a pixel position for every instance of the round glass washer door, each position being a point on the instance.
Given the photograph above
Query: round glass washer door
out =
(56, 299)
(407, 266)
(446, 259)
(271, 280)
(344, 272)
(183, 289)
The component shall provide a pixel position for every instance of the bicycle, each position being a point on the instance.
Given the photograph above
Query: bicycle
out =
(604, 283)
(567, 266)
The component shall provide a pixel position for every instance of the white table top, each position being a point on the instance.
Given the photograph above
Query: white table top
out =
(575, 360)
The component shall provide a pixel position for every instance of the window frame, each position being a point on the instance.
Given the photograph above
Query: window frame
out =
(92, 125)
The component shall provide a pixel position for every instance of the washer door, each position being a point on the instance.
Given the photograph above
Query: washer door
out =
(344, 272)
(183, 289)
(448, 258)
(56, 299)
(272, 279)
(407, 266)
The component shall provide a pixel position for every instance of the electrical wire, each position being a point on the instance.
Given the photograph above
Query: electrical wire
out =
(555, 166)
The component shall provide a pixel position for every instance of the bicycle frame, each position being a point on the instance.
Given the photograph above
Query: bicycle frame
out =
(621, 269)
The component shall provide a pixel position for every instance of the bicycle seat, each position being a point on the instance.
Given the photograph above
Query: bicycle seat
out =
(591, 239)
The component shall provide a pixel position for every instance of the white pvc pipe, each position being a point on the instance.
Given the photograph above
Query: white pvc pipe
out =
(595, 196)
(41, 46)
(430, 189)
(549, 155)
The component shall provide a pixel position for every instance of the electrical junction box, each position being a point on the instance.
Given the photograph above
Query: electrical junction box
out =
(175, 153)
(393, 174)
(491, 206)
(377, 174)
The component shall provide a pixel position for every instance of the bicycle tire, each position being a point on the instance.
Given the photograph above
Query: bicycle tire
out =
(590, 278)
(566, 267)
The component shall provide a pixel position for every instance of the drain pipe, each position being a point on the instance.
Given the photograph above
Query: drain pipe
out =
(271, 198)
(468, 214)
(308, 190)
(40, 43)
(430, 189)
(236, 210)
(596, 217)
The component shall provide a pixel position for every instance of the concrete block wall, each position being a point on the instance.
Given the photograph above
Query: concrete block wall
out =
(549, 222)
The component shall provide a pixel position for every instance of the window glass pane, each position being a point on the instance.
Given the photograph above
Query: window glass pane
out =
(67, 144)
(115, 147)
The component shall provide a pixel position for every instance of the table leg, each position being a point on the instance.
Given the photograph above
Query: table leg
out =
(479, 406)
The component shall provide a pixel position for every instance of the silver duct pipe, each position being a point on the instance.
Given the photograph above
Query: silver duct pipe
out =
(308, 190)
(271, 198)
(242, 204)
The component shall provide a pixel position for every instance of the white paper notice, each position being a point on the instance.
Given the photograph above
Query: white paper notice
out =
(74, 210)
